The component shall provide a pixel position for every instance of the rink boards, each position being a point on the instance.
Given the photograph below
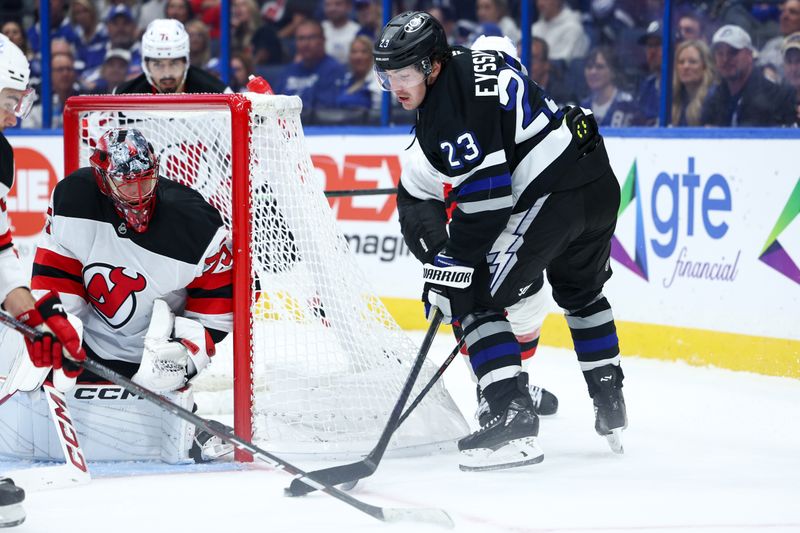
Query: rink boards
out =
(705, 256)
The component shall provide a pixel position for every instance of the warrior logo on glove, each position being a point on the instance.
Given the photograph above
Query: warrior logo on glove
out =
(112, 292)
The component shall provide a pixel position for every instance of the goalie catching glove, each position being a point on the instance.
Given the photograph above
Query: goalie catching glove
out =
(448, 286)
(175, 350)
(59, 346)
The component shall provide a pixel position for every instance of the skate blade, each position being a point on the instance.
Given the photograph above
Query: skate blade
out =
(12, 515)
(518, 452)
(615, 441)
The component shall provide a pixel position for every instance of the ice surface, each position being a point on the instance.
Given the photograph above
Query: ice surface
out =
(707, 450)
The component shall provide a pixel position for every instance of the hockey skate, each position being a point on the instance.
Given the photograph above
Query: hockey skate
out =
(605, 387)
(11, 498)
(544, 403)
(207, 447)
(507, 440)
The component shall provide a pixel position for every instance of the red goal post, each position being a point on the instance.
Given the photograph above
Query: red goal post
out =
(239, 108)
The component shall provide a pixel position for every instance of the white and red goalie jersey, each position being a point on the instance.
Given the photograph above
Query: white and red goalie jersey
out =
(11, 272)
(109, 275)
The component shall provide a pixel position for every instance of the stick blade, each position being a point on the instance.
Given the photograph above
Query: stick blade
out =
(334, 475)
(436, 517)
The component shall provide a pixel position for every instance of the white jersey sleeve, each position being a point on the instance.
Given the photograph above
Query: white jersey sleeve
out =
(11, 272)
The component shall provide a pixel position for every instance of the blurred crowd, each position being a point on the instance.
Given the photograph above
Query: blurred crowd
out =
(735, 63)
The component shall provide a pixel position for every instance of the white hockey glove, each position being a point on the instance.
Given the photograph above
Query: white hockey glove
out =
(175, 349)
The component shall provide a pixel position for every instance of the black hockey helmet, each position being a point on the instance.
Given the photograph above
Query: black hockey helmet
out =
(409, 38)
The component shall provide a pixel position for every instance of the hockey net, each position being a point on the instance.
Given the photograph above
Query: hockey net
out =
(316, 359)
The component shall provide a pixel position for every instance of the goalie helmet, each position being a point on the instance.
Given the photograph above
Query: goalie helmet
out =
(15, 74)
(126, 169)
(412, 38)
(165, 39)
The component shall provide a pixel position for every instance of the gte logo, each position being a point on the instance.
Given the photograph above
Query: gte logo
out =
(773, 253)
(34, 181)
(681, 205)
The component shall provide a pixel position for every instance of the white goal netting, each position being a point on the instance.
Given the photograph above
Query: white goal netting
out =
(327, 361)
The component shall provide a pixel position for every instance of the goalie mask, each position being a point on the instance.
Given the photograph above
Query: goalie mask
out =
(405, 49)
(126, 169)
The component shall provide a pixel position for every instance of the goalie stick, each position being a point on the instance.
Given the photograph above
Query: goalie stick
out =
(76, 470)
(351, 473)
(385, 514)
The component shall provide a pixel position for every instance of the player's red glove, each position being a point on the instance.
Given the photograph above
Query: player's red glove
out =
(58, 341)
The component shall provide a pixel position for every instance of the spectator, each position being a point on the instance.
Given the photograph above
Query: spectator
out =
(121, 27)
(609, 22)
(166, 66)
(199, 43)
(339, 29)
(547, 76)
(791, 66)
(358, 87)
(16, 34)
(690, 26)
(180, 10)
(496, 12)
(132, 5)
(771, 54)
(245, 20)
(210, 12)
(151, 10)
(369, 16)
(91, 35)
(744, 97)
(241, 68)
(562, 29)
(112, 73)
(310, 77)
(611, 105)
(443, 12)
(267, 47)
(648, 92)
(59, 27)
(692, 78)
(64, 83)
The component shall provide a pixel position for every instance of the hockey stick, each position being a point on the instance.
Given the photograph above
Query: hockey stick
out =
(430, 516)
(360, 192)
(336, 475)
(76, 470)
(385, 514)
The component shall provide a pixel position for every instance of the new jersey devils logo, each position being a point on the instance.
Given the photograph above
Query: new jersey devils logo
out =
(112, 292)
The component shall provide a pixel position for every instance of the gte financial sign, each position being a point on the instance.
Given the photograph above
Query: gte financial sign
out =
(681, 206)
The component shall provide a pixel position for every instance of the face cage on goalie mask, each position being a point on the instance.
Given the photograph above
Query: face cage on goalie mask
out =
(131, 197)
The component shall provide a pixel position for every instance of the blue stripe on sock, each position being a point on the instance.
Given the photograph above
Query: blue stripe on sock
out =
(595, 345)
(493, 352)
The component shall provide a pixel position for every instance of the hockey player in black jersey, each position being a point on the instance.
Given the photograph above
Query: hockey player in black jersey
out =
(530, 190)
(165, 62)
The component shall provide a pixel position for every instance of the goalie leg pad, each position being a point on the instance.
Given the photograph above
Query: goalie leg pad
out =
(112, 424)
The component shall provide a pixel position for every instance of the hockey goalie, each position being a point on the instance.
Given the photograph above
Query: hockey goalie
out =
(145, 263)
